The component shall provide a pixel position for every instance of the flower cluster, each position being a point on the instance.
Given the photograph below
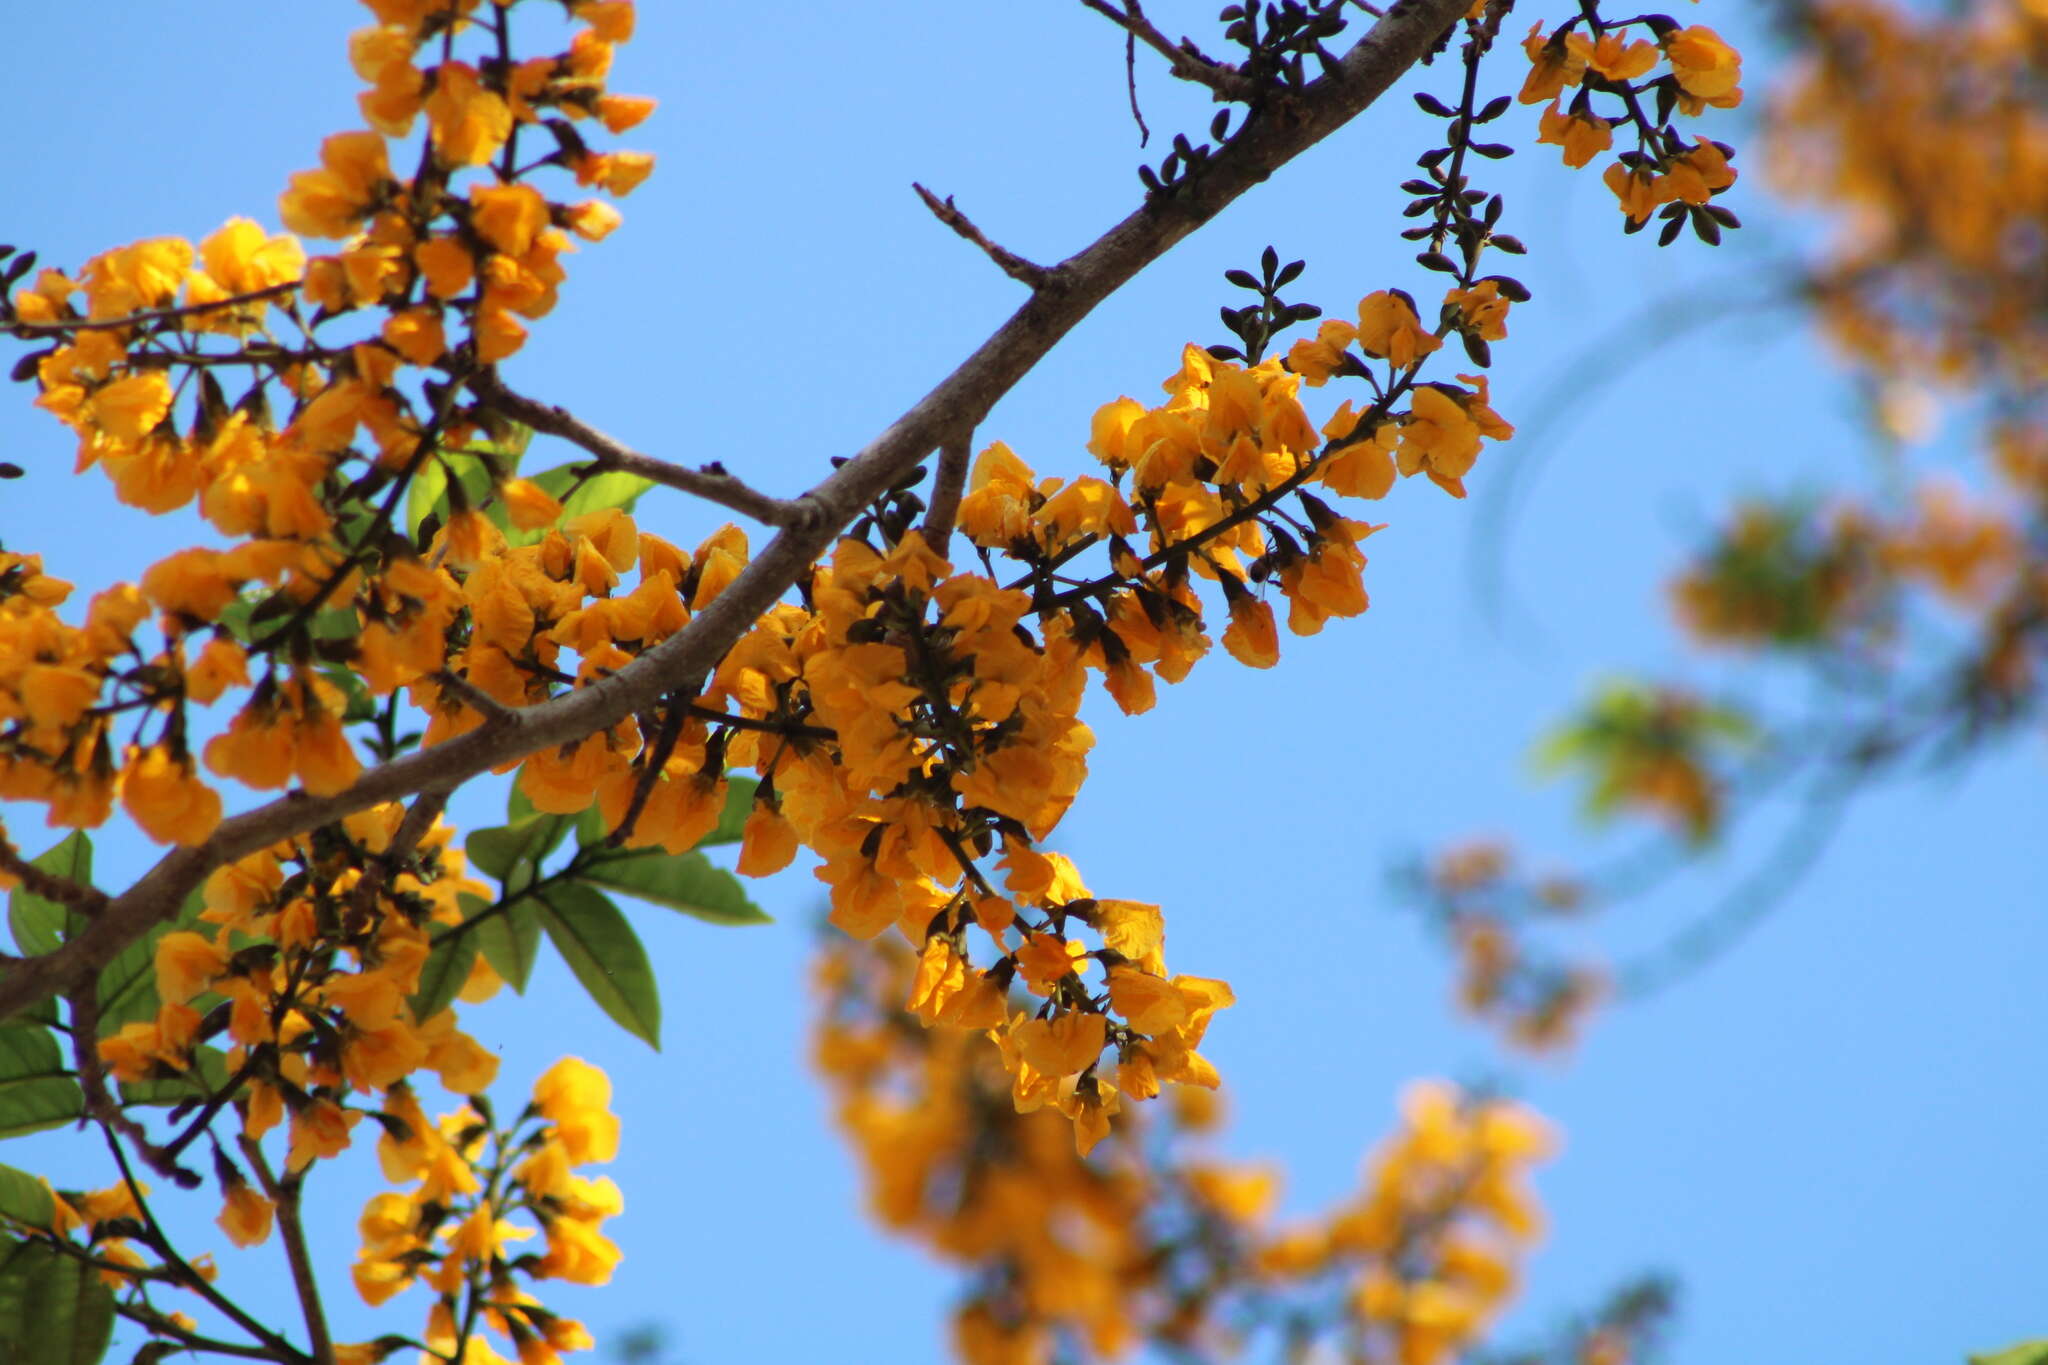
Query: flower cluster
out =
(1155, 1240)
(455, 1229)
(451, 260)
(1595, 57)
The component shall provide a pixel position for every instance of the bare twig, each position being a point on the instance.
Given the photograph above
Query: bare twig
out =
(962, 398)
(1183, 58)
(87, 900)
(280, 1350)
(946, 486)
(69, 325)
(285, 1194)
(497, 715)
(1007, 261)
(657, 761)
(1131, 84)
(712, 483)
(100, 1105)
(397, 856)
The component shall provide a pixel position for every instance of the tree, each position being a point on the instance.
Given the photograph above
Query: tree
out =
(915, 726)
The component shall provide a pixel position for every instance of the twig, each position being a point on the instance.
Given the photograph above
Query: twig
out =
(961, 398)
(285, 1194)
(1131, 84)
(657, 761)
(99, 1103)
(153, 315)
(497, 715)
(162, 1324)
(87, 900)
(1183, 58)
(281, 1351)
(397, 856)
(946, 486)
(1007, 261)
(712, 483)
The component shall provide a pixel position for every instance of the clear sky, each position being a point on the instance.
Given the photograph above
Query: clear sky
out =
(1832, 1137)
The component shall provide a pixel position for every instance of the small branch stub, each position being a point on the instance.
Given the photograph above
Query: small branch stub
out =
(1007, 261)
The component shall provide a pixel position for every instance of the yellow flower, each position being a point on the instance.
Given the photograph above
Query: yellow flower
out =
(1555, 63)
(186, 964)
(767, 844)
(1063, 1045)
(171, 805)
(1582, 134)
(246, 1217)
(467, 122)
(620, 112)
(574, 1096)
(530, 506)
(1046, 959)
(1485, 311)
(331, 201)
(1640, 190)
(509, 217)
(321, 1129)
(416, 334)
(1388, 327)
(1621, 61)
(1706, 67)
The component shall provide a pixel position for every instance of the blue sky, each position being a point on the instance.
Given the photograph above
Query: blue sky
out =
(1831, 1136)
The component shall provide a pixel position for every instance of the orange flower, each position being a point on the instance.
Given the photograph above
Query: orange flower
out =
(171, 805)
(247, 1215)
(1705, 66)
(468, 123)
(1582, 134)
(1388, 326)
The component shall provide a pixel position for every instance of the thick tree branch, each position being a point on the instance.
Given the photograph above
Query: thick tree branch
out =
(1270, 138)
(711, 483)
(1007, 261)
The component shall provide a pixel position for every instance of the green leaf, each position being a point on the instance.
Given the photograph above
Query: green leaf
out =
(601, 949)
(25, 1199)
(513, 853)
(447, 967)
(40, 926)
(128, 984)
(36, 1089)
(732, 821)
(208, 1075)
(53, 1310)
(509, 940)
(336, 623)
(357, 703)
(687, 882)
(426, 496)
(2025, 1353)
(594, 494)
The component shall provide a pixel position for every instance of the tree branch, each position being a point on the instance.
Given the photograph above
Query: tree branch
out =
(711, 483)
(67, 325)
(946, 486)
(100, 1105)
(1270, 138)
(1183, 58)
(87, 900)
(285, 1194)
(1007, 261)
(419, 818)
